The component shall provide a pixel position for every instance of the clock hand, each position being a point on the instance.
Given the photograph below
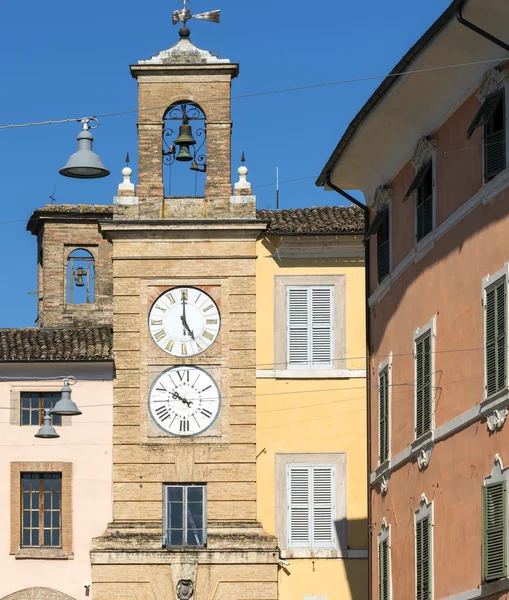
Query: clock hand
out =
(177, 396)
(183, 317)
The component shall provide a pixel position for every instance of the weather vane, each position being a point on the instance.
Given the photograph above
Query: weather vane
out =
(184, 15)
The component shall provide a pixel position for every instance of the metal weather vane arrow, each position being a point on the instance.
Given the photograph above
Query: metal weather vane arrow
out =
(184, 15)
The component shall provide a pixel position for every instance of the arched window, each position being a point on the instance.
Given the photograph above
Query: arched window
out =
(184, 150)
(80, 277)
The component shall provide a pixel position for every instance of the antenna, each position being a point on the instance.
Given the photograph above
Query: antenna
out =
(277, 188)
(52, 197)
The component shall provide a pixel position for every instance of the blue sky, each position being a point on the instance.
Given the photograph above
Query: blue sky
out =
(64, 60)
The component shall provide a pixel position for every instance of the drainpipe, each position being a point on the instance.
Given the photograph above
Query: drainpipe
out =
(350, 198)
(477, 29)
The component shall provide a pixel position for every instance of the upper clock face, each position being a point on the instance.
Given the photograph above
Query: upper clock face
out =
(184, 321)
(184, 400)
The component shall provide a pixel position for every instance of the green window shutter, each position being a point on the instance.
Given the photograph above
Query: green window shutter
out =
(423, 559)
(423, 395)
(384, 415)
(424, 205)
(494, 553)
(494, 136)
(383, 570)
(383, 248)
(496, 338)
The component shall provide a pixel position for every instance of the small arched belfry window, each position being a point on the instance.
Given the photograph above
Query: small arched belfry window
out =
(80, 277)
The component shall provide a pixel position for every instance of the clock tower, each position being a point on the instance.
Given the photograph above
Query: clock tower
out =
(184, 496)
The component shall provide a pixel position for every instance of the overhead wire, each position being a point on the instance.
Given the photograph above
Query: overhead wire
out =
(263, 93)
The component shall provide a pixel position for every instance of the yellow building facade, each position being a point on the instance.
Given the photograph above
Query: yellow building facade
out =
(311, 400)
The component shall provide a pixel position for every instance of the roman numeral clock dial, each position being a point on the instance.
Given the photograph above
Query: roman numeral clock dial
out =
(184, 400)
(184, 321)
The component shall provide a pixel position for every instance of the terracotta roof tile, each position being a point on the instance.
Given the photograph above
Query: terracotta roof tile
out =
(321, 219)
(65, 344)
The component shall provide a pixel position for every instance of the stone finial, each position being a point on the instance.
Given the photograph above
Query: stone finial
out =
(126, 185)
(243, 187)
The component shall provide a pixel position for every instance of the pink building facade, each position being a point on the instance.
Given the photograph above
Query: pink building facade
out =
(431, 158)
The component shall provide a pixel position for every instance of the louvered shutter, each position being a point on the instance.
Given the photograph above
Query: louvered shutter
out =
(311, 506)
(496, 337)
(298, 326)
(299, 506)
(323, 507)
(485, 113)
(322, 326)
(423, 559)
(383, 248)
(423, 393)
(384, 415)
(494, 136)
(383, 570)
(310, 326)
(494, 531)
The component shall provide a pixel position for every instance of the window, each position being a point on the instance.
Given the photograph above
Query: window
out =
(380, 228)
(496, 335)
(423, 185)
(40, 506)
(310, 326)
(383, 248)
(423, 388)
(423, 570)
(185, 518)
(494, 542)
(383, 397)
(33, 405)
(384, 564)
(80, 277)
(311, 506)
(491, 116)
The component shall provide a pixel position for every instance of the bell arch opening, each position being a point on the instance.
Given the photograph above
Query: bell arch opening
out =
(184, 151)
(80, 277)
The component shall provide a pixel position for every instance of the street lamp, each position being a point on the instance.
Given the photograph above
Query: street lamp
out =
(65, 407)
(85, 164)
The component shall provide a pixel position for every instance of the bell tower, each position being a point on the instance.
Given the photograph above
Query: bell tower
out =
(186, 76)
(184, 312)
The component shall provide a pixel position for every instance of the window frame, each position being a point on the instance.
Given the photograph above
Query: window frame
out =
(35, 387)
(489, 282)
(498, 475)
(281, 499)
(386, 365)
(429, 169)
(385, 536)
(185, 487)
(281, 282)
(65, 551)
(41, 510)
(420, 333)
(424, 511)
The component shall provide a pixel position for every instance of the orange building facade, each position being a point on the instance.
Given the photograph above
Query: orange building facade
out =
(431, 158)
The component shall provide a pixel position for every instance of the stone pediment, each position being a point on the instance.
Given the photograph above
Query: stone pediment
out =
(184, 52)
(38, 593)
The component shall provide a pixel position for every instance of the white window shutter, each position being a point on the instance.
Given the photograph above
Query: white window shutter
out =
(299, 506)
(322, 326)
(323, 507)
(298, 326)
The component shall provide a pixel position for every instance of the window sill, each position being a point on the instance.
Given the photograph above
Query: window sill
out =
(422, 247)
(312, 374)
(315, 553)
(43, 554)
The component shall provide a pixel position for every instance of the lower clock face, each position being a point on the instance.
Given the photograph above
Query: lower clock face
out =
(184, 400)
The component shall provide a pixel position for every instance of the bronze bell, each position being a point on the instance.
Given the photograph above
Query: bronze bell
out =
(184, 140)
(184, 154)
(79, 274)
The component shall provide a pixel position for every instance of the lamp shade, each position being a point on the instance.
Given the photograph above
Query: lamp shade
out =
(85, 164)
(65, 406)
(47, 431)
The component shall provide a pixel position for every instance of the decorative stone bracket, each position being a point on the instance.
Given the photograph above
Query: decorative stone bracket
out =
(424, 457)
(497, 419)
